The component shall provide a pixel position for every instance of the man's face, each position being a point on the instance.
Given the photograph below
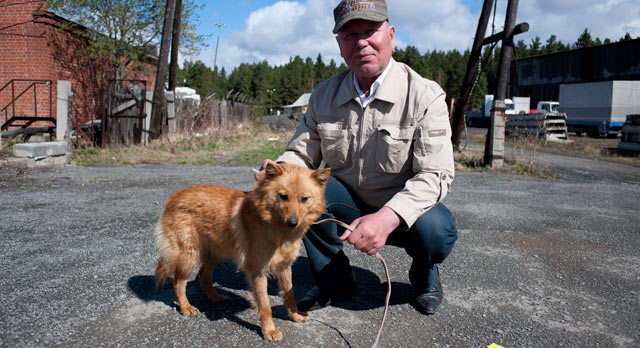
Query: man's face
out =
(366, 46)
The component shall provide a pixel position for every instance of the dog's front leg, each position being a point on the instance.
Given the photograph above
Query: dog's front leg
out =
(286, 292)
(263, 307)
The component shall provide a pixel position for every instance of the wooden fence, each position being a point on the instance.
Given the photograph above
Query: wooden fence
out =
(193, 117)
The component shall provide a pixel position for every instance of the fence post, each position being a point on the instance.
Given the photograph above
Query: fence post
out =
(171, 113)
(148, 104)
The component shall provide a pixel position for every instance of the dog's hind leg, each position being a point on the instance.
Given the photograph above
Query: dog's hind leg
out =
(259, 285)
(206, 280)
(286, 292)
(182, 270)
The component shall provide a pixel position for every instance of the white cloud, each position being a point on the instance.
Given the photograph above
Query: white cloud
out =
(441, 25)
(567, 19)
(289, 28)
(280, 31)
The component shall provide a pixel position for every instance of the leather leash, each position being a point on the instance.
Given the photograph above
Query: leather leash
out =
(386, 272)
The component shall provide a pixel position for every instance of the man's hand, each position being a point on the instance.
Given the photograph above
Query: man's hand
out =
(260, 174)
(370, 232)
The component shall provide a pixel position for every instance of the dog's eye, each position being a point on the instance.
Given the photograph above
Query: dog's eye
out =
(304, 199)
(283, 197)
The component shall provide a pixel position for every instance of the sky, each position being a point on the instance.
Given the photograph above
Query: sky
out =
(275, 31)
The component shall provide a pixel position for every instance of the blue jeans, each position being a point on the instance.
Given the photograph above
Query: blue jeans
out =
(429, 241)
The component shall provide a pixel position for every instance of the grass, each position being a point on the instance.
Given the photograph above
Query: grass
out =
(599, 148)
(474, 161)
(247, 145)
(250, 144)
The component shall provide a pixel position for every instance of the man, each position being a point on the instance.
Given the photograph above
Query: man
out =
(384, 132)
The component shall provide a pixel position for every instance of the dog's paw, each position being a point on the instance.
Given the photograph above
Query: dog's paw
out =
(189, 311)
(272, 335)
(299, 317)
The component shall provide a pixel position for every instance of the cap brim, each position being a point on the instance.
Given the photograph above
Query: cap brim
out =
(374, 17)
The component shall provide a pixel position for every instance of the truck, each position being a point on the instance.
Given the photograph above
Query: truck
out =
(521, 105)
(517, 105)
(599, 108)
(488, 105)
(547, 106)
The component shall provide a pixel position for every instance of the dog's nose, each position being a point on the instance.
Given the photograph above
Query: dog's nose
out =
(292, 222)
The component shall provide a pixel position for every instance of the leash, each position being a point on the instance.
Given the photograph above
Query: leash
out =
(386, 272)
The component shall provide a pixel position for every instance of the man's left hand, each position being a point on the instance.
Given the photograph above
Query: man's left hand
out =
(370, 232)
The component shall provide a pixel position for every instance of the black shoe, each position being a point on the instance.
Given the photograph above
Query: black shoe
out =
(318, 297)
(428, 302)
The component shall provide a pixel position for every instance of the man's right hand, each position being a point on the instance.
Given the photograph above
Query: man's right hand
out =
(260, 174)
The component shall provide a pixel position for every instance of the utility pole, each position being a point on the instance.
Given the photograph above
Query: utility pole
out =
(157, 114)
(175, 45)
(472, 67)
(220, 26)
(494, 149)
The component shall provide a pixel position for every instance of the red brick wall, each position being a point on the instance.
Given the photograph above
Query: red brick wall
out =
(35, 47)
(24, 55)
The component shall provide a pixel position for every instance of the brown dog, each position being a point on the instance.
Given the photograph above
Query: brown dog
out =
(260, 231)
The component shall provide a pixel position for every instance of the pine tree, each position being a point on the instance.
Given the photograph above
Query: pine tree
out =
(584, 40)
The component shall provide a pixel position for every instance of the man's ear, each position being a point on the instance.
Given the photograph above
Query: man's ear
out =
(272, 171)
(321, 176)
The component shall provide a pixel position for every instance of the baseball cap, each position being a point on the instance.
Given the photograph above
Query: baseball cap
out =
(347, 10)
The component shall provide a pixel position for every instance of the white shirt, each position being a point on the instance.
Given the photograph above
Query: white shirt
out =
(364, 98)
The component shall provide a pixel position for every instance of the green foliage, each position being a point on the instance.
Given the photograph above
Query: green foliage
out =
(275, 86)
(263, 85)
(584, 40)
(120, 31)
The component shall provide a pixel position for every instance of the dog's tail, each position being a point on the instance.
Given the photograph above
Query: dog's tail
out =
(165, 259)
(162, 273)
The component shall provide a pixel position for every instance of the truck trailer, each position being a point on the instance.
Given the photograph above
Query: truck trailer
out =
(599, 108)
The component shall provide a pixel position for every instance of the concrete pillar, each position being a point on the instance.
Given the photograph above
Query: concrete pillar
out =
(63, 112)
(494, 156)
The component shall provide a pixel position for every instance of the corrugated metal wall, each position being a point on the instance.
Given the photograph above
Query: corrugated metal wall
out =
(540, 77)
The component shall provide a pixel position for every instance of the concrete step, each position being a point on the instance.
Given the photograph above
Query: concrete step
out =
(36, 150)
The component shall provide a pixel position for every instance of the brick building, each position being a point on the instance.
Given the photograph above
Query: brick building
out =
(39, 48)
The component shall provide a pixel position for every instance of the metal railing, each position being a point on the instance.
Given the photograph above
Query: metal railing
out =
(11, 106)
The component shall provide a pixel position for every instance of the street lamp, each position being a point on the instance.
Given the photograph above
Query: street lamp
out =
(220, 26)
(270, 92)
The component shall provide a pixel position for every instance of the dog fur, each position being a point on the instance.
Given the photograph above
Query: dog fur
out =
(260, 231)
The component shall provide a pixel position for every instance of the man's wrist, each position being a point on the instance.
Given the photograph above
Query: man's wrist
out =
(392, 217)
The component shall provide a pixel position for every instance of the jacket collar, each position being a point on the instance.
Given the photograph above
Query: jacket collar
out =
(392, 89)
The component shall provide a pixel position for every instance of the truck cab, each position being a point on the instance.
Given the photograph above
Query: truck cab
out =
(547, 106)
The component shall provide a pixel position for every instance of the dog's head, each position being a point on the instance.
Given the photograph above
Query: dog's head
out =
(292, 197)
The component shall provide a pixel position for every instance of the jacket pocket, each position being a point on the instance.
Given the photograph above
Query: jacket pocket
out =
(393, 146)
(334, 143)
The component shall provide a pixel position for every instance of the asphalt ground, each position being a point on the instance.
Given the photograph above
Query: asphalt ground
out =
(538, 263)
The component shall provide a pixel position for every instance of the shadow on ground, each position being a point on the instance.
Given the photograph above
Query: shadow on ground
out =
(371, 292)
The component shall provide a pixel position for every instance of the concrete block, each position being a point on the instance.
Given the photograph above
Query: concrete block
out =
(64, 94)
(33, 150)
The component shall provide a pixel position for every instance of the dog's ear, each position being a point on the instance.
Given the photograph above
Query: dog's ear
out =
(272, 171)
(321, 176)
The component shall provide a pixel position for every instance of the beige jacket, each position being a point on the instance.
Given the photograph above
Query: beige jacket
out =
(396, 152)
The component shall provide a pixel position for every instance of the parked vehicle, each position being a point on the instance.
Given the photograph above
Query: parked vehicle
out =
(599, 108)
(521, 105)
(517, 105)
(547, 106)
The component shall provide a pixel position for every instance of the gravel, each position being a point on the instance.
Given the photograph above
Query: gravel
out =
(538, 263)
